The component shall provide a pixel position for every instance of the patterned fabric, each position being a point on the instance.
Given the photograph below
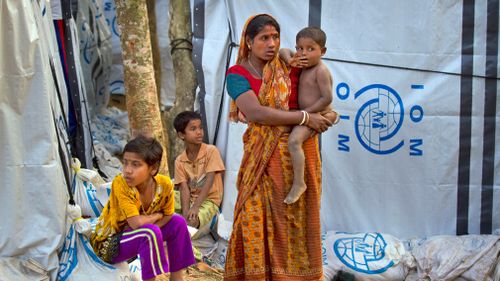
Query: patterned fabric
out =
(124, 202)
(109, 249)
(270, 239)
(208, 209)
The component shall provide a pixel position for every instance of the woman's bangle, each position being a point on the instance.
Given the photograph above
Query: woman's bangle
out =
(337, 117)
(304, 116)
(307, 119)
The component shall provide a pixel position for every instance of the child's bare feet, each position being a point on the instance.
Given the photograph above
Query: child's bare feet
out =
(295, 192)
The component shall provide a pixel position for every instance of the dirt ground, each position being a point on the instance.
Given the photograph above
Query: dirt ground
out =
(202, 275)
(203, 272)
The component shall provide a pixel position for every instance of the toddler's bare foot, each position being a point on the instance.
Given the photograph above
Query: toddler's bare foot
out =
(295, 192)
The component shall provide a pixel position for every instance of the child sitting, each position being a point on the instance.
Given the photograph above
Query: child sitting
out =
(198, 172)
(139, 216)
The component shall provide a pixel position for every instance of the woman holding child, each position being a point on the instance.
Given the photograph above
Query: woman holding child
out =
(271, 240)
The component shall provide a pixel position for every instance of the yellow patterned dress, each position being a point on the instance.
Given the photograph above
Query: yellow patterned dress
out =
(124, 202)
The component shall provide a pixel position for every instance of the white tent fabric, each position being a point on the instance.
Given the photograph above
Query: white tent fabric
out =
(84, 107)
(414, 155)
(116, 85)
(32, 180)
(55, 7)
(95, 53)
(398, 172)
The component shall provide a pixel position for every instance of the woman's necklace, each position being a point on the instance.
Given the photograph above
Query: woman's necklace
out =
(255, 70)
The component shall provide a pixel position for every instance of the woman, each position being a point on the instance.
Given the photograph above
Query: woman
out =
(270, 239)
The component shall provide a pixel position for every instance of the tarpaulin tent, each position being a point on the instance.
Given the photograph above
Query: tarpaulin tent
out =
(416, 83)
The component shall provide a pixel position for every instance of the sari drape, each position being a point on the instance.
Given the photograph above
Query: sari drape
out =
(270, 239)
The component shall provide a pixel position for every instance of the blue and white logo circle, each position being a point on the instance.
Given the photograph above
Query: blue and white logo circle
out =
(363, 252)
(379, 118)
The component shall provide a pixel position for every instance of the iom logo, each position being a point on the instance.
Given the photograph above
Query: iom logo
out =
(363, 252)
(379, 119)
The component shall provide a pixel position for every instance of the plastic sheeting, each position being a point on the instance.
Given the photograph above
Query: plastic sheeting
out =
(415, 177)
(95, 53)
(398, 161)
(447, 258)
(32, 180)
(367, 256)
(402, 179)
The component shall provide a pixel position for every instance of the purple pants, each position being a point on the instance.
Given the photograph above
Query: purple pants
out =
(147, 242)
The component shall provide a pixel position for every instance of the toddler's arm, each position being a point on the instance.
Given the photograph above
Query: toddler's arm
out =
(286, 55)
(291, 58)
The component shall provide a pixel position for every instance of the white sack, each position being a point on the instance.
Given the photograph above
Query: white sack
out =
(78, 260)
(102, 193)
(110, 127)
(472, 257)
(84, 182)
(108, 164)
(136, 269)
(224, 227)
(218, 256)
(369, 256)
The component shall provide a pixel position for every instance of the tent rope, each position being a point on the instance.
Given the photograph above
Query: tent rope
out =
(174, 45)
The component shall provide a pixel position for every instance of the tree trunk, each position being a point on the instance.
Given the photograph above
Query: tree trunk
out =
(180, 35)
(140, 87)
(155, 47)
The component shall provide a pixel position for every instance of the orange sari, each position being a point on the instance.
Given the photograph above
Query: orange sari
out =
(270, 239)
